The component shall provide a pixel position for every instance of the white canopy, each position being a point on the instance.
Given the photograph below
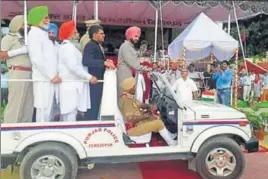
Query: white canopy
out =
(201, 38)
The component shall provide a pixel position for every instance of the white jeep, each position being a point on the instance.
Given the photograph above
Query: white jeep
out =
(210, 136)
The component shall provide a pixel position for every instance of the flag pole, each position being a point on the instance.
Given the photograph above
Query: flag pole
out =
(239, 36)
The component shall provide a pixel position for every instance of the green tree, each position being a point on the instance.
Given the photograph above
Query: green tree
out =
(256, 34)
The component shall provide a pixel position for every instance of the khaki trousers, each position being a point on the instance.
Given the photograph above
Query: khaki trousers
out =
(20, 98)
(153, 124)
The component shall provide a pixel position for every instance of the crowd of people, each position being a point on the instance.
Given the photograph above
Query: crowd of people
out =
(253, 87)
(55, 74)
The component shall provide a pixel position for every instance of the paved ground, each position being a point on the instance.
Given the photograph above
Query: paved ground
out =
(257, 165)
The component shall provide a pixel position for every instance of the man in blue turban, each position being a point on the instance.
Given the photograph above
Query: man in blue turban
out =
(52, 31)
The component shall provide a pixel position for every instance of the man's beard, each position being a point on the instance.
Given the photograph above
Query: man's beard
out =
(44, 26)
(52, 38)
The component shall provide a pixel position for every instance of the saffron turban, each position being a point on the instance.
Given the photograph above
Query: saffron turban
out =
(37, 14)
(54, 28)
(132, 32)
(66, 30)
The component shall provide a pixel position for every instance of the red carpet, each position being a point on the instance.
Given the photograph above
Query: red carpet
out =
(176, 169)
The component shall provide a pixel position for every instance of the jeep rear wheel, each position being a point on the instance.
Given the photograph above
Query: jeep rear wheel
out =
(220, 158)
(50, 161)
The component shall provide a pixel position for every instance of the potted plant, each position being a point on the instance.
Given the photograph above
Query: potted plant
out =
(257, 125)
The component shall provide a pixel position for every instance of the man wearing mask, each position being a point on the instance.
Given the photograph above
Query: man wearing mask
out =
(43, 56)
(128, 58)
(85, 38)
(74, 96)
(20, 97)
(223, 77)
(94, 60)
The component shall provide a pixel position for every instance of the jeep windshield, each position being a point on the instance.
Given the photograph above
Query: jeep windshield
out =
(163, 89)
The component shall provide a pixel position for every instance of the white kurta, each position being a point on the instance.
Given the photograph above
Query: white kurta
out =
(73, 95)
(43, 55)
(141, 88)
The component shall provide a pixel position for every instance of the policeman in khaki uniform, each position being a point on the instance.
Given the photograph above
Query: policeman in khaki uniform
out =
(20, 98)
(85, 38)
(138, 115)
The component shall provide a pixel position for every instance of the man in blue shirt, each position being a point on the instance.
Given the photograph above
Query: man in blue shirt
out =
(223, 77)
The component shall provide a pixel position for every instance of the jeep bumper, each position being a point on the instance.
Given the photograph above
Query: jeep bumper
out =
(8, 159)
(252, 145)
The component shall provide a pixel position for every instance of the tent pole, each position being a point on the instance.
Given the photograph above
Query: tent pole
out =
(155, 33)
(74, 16)
(236, 79)
(239, 35)
(25, 24)
(96, 10)
(162, 29)
(162, 33)
(229, 22)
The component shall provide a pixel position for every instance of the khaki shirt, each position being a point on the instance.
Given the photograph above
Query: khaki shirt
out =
(129, 106)
(83, 41)
(13, 42)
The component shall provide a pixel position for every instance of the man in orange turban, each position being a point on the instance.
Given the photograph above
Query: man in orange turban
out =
(128, 56)
(74, 96)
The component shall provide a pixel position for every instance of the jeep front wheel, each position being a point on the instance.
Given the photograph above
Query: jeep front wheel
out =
(50, 161)
(220, 158)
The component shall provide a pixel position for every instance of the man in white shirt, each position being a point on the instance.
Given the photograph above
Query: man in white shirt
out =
(44, 58)
(246, 81)
(185, 87)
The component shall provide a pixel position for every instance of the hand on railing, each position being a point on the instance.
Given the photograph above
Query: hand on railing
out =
(93, 80)
(109, 64)
(56, 80)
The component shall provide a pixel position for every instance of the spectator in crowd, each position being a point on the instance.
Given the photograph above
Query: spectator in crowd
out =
(138, 122)
(223, 77)
(246, 82)
(128, 58)
(85, 38)
(252, 77)
(185, 87)
(4, 85)
(212, 82)
(44, 58)
(20, 96)
(257, 88)
(74, 96)
(174, 73)
(265, 87)
(195, 75)
(94, 60)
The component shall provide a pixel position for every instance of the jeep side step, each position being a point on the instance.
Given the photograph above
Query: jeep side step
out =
(139, 158)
